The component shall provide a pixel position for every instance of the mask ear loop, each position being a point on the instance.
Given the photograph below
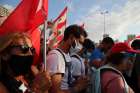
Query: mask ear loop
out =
(76, 43)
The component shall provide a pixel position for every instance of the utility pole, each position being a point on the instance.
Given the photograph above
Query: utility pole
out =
(104, 15)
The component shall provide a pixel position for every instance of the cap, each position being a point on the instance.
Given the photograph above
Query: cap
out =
(122, 47)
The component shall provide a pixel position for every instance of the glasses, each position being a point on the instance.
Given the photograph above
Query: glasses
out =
(24, 48)
(129, 54)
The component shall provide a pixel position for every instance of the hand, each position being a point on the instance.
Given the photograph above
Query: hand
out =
(36, 71)
(81, 83)
(41, 83)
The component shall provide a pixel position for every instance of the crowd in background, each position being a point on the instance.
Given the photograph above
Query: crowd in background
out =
(77, 65)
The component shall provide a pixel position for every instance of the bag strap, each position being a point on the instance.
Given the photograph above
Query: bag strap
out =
(61, 54)
(76, 56)
(97, 78)
(68, 65)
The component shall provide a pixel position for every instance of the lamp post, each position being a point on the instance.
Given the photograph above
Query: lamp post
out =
(104, 15)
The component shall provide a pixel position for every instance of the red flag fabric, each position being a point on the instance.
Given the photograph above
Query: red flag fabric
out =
(18, 20)
(58, 28)
(138, 37)
(35, 36)
(41, 14)
(27, 16)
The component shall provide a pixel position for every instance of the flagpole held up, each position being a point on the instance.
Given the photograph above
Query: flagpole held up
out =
(45, 7)
(45, 46)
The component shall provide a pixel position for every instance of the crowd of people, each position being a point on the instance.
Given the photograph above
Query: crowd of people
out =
(77, 65)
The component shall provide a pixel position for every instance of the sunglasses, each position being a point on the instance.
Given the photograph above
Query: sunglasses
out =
(24, 48)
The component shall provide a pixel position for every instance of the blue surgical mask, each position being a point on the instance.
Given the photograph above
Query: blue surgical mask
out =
(89, 54)
(86, 54)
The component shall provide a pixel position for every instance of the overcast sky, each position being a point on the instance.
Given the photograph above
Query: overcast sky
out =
(123, 15)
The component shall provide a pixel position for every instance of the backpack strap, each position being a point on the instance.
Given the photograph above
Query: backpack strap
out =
(68, 65)
(97, 78)
(76, 56)
(61, 54)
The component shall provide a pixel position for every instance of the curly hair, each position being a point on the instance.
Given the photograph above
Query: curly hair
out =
(9, 39)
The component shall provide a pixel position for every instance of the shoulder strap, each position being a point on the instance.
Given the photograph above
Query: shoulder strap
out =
(75, 56)
(62, 54)
(68, 65)
(97, 78)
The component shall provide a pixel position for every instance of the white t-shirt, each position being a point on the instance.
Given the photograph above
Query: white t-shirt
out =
(77, 69)
(77, 65)
(56, 62)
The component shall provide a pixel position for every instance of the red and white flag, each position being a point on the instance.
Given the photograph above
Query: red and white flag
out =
(138, 37)
(27, 16)
(58, 29)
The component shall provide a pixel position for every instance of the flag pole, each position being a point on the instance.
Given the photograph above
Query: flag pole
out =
(45, 46)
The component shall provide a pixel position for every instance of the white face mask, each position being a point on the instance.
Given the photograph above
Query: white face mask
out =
(76, 48)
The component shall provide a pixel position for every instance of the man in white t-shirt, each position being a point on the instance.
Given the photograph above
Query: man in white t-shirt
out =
(58, 61)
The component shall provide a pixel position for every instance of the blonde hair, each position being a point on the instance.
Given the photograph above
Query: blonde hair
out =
(8, 39)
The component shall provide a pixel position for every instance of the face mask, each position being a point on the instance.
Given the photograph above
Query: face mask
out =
(20, 64)
(76, 47)
(89, 54)
(86, 54)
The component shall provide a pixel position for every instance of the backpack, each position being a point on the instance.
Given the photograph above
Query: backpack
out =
(95, 74)
(68, 65)
(76, 56)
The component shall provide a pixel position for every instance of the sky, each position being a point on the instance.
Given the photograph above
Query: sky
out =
(123, 16)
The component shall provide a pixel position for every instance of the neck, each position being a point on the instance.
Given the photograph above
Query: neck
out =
(64, 46)
(80, 52)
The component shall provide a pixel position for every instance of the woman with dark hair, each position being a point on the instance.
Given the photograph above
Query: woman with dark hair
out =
(16, 58)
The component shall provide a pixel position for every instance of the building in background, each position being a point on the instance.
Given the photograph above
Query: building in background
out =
(3, 14)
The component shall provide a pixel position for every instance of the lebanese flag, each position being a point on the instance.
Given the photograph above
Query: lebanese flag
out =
(138, 37)
(130, 41)
(27, 16)
(58, 28)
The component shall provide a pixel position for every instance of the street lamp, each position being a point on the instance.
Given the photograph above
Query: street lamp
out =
(104, 14)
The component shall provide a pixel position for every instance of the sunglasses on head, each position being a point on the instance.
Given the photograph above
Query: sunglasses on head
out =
(24, 48)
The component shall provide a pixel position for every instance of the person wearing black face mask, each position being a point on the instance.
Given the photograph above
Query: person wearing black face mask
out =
(16, 58)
